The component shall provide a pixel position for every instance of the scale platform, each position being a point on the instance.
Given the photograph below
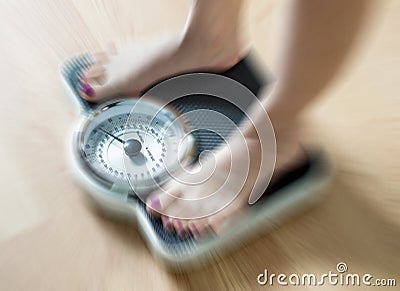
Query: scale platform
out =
(293, 193)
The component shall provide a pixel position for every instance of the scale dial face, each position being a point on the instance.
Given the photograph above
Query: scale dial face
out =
(135, 143)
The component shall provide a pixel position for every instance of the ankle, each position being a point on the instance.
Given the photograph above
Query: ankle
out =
(212, 37)
(286, 133)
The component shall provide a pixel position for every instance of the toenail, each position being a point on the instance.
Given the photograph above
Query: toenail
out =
(167, 223)
(194, 230)
(87, 89)
(181, 230)
(155, 203)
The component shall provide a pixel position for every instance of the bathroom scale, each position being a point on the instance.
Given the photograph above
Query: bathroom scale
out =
(150, 132)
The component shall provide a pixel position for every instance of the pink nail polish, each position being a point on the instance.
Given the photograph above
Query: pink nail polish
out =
(155, 203)
(181, 230)
(87, 89)
(167, 223)
(194, 230)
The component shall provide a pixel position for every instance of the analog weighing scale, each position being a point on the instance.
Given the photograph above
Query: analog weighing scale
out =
(122, 149)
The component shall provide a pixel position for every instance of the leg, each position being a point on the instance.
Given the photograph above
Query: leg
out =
(210, 41)
(317, 38)
(319, 35)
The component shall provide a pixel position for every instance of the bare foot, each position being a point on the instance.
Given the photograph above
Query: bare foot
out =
(217, 202)
(209, 42)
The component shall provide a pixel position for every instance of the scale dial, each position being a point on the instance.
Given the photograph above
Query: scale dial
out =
(135, 143)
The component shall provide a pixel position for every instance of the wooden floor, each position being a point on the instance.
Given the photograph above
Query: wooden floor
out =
(51, 240)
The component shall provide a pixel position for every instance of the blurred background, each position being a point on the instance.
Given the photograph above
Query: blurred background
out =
(50, 238)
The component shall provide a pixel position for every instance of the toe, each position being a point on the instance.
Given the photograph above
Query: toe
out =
(217, 222)
(91, 83)
(95, 72)
(86, 90)
(227, 218)
(181, 227)
(167, 223)
(158, 202)
(100, 58)
(200, 228)
(194, 229)
(96, 89)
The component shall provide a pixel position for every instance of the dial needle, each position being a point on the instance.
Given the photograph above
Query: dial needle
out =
(132, 147)
(117, 138)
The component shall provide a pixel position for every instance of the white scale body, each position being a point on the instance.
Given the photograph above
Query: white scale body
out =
(125, 149)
